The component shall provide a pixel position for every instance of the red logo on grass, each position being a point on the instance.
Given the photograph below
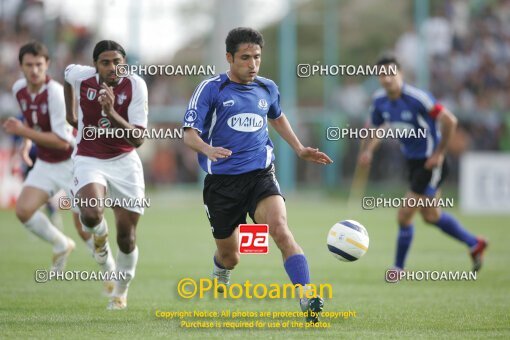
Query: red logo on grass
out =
(253, 238)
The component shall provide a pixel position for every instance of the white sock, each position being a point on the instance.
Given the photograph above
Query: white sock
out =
(100, 229)
(109, 265)
(126, 263)
(303, 291)
(90, 245)
(40, 225)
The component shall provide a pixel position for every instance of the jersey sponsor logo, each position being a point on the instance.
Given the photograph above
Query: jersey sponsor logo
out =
(121, 97)
(91, 93)
(23, 103)
(104, 123)
(228, 103)
(262, 104)
(246, 122)
(253, 238)
(190, 116)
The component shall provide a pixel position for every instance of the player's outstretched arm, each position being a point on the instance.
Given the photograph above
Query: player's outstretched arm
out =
(14, 126)
(448, 124)
(282, 126)
(70, 105)
(193, 141)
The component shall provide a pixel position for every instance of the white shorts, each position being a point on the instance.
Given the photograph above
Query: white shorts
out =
(51, 177)
(122, 176)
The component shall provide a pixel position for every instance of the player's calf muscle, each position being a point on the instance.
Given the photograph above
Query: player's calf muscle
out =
(229, 260)
(405, 216)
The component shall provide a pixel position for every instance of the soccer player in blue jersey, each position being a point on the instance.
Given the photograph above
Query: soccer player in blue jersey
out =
(399, 104)
(227, 125)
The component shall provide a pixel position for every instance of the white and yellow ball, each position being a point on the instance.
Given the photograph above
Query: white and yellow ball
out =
(348, 240)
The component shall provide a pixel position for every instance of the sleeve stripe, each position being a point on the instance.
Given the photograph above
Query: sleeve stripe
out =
(422, 97)
(194, 98)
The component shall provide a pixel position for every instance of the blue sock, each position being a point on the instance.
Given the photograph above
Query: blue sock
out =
(452, 227)
(217, 263)
(405, 237)
(297, 269)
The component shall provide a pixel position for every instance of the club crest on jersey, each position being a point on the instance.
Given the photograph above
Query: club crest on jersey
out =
(121, 97)
(190, 116)
(23, 104)
(386, 116)
(104, 123)
(406, 115)
(44, 108)
(246, 122)
(228, 103)
(262, 104)
(91, 93)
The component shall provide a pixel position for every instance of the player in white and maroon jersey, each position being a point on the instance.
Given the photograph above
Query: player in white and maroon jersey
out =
(41, 101)
(104, 165)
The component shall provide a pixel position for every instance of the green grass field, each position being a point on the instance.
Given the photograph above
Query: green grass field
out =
(175, 242)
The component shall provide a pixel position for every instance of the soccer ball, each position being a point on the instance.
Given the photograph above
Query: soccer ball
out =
(348, 240)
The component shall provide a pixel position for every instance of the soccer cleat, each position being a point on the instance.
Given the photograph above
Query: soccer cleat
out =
(101, 248)
(117, 303)
(223, 276)
(313, 306)
(477, 253)
(60, 259)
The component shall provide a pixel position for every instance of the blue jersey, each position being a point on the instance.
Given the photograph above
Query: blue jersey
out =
(234, 116)
(415, 109)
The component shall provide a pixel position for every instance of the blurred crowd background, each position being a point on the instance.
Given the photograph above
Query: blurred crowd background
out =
(460, 52)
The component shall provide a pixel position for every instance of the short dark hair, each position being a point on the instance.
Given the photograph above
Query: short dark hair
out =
(34, 47)
(386, 58)
(242, 35)
(107, 45)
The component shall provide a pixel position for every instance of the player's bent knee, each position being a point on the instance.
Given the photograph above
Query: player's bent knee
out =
(430, 218)
(91, 217)
(126, 241)
(24, 213)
